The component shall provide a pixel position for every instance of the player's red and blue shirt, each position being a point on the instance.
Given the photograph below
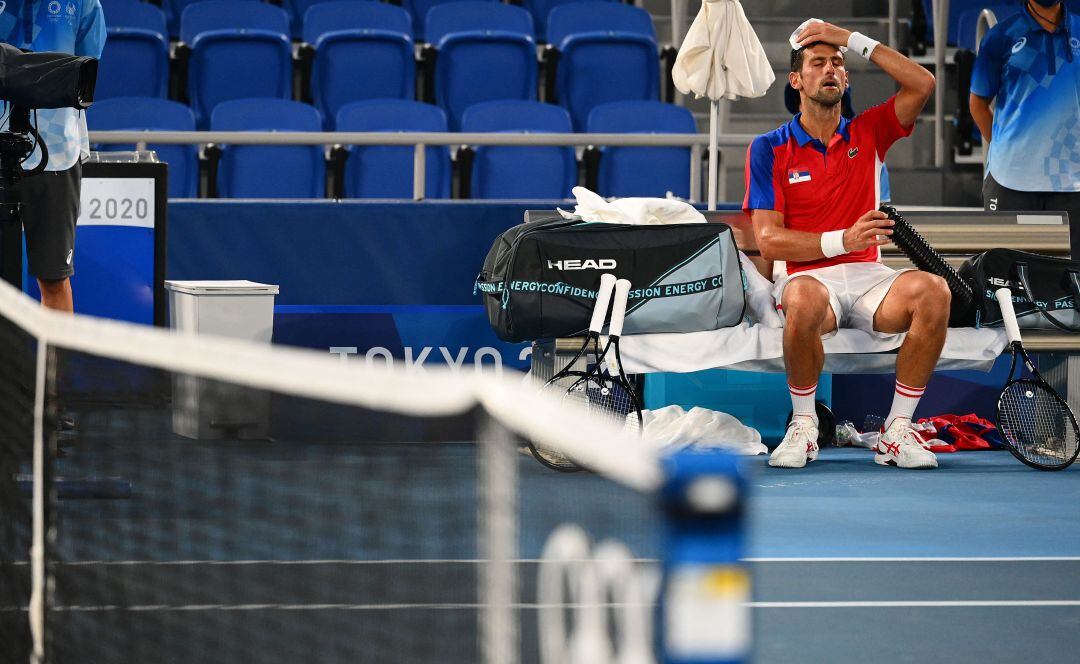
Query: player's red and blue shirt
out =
(821, 188)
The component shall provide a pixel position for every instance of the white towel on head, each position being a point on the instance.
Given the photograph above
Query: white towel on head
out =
(674, 427)
(795, 44)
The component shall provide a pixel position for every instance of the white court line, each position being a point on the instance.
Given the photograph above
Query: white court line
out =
(871, 604)
(225, 563)
(919, 559)
(427, 561)
(914, 604)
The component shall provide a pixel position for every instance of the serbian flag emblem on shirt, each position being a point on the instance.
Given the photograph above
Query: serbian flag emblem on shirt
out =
(797, 175)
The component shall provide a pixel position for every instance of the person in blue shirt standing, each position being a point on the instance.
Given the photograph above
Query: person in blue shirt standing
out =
(1029, 67)
(51, 199)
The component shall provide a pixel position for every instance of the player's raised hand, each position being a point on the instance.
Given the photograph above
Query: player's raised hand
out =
(823, 32)
(871, 230)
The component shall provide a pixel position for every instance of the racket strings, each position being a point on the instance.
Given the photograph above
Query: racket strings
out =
(1037, 424)
(604, 396)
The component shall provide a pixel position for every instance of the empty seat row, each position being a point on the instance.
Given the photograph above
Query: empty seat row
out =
(417, 10)
(360, 50)
(537, 172)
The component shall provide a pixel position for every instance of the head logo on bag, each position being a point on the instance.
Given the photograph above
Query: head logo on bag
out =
(578, 264)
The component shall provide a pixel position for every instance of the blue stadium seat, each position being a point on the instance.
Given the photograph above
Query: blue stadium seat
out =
(607, 52)
(151, 113)
(968, 22)
(297, 10)
(419, 9)
(239, 50)
(384, 171)
(643, 171)
(174, 9)
(363, 50)
(486, 51)
(278, 171)
(540, 9)
(135, 61)
(521, 172)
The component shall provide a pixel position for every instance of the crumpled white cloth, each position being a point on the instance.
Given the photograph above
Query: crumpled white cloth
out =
(591, 206)
(761, 348)
(674, 427)
(795, 44)
(721, 56)
(760, 304)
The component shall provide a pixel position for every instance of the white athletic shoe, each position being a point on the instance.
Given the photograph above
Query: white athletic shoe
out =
(798, 446)
(900, 446)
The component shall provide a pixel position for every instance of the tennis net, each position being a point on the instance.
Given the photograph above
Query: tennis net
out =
(173, 498)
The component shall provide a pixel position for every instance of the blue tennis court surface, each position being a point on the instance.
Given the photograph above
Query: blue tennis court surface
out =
(978, 560)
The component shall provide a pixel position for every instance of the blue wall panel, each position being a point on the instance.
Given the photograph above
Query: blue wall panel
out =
(380, 277)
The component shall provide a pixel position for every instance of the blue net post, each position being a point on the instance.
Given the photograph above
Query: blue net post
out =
(704, 613)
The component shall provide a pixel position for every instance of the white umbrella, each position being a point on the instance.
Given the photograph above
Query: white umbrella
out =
(721, 58)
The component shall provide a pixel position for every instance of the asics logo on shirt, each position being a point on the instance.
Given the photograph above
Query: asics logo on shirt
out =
(2, 6)
(1019, 45)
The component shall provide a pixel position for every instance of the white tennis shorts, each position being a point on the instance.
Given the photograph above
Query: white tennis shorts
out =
(856, 290)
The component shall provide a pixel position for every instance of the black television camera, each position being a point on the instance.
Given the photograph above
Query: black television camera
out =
(30, 81)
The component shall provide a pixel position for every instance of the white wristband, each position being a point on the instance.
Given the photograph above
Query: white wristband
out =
(861, 44)
(832, 244)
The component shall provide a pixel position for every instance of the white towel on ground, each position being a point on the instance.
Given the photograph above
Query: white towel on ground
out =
(674, 427)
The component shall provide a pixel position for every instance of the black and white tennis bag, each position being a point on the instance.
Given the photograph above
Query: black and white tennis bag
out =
(1045, 289)
(540, 278)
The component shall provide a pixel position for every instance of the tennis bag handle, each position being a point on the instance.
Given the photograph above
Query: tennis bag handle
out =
(1021, 269)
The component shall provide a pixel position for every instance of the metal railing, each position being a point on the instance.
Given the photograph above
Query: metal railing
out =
(941, 37)
(421, 140)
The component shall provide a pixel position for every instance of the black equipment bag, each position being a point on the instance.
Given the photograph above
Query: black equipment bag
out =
(1055, 283)
(540, 278)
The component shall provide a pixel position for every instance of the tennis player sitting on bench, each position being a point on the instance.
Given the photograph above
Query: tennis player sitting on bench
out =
(812, 195)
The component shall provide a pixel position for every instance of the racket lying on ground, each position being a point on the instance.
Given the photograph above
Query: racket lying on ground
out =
(571, 372)
(604, 390)
(1038, 426)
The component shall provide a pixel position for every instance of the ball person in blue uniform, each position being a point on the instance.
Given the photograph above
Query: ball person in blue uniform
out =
(51, 199)
(1029, 67)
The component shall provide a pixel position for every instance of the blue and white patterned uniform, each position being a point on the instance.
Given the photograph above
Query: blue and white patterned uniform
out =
(76, 27)
(1034, 77)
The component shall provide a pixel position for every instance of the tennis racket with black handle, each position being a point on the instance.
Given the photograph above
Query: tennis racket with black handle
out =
(571, 372)
(604, 390)
(1038, 426)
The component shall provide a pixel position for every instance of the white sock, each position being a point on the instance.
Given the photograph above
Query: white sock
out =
(802, 401)
(905, 400)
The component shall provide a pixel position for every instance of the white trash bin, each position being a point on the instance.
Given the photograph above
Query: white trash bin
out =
(205, 409)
